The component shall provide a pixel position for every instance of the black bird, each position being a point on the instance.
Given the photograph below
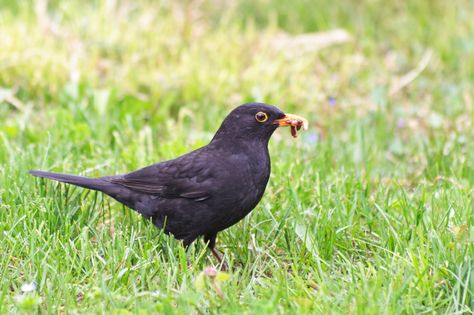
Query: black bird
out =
(207, 190)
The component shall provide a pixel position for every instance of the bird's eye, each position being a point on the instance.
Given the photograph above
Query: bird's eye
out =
(261, 117)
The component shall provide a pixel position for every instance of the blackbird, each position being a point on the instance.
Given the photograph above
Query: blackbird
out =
(204, 191)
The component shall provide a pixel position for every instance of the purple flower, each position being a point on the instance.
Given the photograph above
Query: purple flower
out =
(210, 271)
(312, 138)
(401, 123)
(331, 101)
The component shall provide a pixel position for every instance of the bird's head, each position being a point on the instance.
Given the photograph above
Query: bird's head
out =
(257, 121)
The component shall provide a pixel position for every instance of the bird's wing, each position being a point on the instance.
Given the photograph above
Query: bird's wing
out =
(185, 177)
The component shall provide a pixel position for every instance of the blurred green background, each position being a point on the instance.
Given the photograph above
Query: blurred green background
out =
(371, 211)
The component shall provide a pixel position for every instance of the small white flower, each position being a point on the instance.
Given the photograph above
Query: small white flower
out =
(156, 294)
(28, 287)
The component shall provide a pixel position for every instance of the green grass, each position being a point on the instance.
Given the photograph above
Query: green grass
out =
(369, 212)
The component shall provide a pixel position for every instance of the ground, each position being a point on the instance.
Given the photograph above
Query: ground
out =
(370, 211)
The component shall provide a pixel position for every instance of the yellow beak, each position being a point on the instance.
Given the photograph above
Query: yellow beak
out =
(294, 121)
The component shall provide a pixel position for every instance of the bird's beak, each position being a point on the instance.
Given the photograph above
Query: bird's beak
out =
(294, 121)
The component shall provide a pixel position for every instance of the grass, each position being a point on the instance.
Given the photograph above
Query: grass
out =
(369, 212)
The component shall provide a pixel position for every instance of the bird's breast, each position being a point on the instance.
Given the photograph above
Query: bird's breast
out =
(245, 180)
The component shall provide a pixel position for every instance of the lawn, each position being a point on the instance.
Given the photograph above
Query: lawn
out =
(371, 211)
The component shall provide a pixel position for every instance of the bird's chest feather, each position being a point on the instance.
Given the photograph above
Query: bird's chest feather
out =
(246, 179)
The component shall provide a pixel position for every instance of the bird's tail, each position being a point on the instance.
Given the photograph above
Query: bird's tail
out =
(81, 181)
(115, 191)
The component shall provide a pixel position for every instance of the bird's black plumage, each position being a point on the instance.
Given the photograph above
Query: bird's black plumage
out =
(205, 191)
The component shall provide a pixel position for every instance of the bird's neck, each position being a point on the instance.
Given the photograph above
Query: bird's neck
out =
(244, 136)
(239, 144)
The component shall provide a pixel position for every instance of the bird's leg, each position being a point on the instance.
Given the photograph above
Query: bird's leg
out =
(220, 258)
(211, 243)
(215, 253)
